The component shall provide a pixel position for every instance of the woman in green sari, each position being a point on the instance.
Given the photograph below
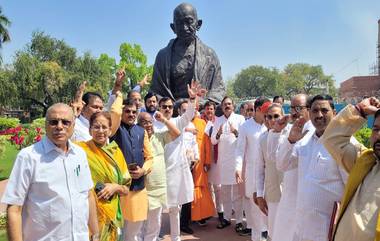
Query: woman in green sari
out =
(109, 174)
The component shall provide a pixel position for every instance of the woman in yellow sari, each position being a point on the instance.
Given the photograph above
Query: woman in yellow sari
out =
(110, 174)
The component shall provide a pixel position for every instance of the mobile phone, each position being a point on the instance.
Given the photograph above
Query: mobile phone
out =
(98, 187)
(132, 166)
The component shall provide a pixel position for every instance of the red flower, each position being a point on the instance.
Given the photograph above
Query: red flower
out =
(38, 129)
(26, 130)
(37, 138)
(18, 129)
(21, 140)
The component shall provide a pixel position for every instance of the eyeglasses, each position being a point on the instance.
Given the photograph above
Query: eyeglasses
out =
(99, 128)
(164, 107)
(274, 117)
(250, 109)
(298, 108)
(55, 122)
(130, 111)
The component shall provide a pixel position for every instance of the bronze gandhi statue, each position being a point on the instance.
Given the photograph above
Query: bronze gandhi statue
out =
(186, 58)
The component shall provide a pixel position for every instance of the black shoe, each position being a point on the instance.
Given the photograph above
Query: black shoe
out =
(239, 227)
(246, 232)
(224, 223)
(264, 234)
(187, 230)
(202, 223)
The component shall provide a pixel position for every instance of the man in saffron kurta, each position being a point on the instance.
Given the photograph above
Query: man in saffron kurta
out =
(203, 206)
(359, 215)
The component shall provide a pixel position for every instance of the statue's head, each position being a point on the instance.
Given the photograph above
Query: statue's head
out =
(185, 22)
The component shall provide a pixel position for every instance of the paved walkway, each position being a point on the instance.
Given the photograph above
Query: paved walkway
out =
(207, 233)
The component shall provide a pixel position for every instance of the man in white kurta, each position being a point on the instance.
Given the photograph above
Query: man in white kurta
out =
(225, 133)
(320, 180)
(246, 152)
(284, 224)
(268, 178)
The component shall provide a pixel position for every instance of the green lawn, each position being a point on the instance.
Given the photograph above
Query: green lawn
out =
(6, 161)
(3, 235)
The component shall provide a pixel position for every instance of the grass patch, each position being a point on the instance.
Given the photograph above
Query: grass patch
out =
(6, 161)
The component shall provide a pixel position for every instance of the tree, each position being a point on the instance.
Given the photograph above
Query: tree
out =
(4, 33)
(134, 62)
(257, 81)
(4, 24)
(308, 79)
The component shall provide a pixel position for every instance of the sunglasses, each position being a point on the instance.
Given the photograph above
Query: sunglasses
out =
(298, 108)
(274, 117)
(130, 111)
(164, 107)
(55, 122)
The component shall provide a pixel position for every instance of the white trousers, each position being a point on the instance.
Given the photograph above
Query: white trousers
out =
(132, 230)
(255, 219)
(272, 210)
(231, 196)
(175, 231)
(216, 194)
(152, 225)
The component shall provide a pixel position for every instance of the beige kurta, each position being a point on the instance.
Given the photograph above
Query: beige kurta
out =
(359, 219)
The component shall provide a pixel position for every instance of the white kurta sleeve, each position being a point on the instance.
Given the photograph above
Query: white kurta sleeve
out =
(241, 147)
(286, 156)
(20, 180)
(185, 119)
(260, 169)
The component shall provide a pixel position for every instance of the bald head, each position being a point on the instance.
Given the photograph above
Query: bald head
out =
(298, 106)
(145, 120)
(61, 107)
(59, 124)
(300, 98)
(184, 9)
(144, 116)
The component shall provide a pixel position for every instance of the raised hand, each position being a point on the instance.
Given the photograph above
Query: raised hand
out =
(220, 131)
(145, 80)
(281, 123)
(160, 117)
(77, 104)
(369, 106)
(120, 76)
(195, 90)
(296, 133)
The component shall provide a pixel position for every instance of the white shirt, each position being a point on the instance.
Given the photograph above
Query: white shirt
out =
(320, 183)
(247, 150)
(52, 187)
(81, 130)
(227, 143)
